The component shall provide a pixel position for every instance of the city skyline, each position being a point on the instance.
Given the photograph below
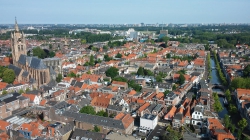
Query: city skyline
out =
(122, 12)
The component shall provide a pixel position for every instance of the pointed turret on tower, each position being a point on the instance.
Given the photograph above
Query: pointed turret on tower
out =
(16, 26)
(18, 44)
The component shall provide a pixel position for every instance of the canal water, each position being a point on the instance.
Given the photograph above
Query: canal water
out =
(215, 80)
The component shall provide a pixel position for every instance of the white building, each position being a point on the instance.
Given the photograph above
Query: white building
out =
(197, 115)
(148, 121)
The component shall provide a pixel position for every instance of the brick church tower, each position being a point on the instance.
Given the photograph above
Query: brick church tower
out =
(18, 44)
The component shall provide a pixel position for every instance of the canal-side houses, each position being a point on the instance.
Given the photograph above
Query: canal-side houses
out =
(242, 97)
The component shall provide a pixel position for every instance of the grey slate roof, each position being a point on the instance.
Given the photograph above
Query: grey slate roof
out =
(73, 82)
(88, 134)
(33, 62)
(15, 69)
(22, 59)
(68, 127)
(60, 105)
(78, 84)
(9, 97)
(84, 102)
(37, 63)
(178, 116)
(95, 120)
(51, 71)
(25, 74)
(114, 107)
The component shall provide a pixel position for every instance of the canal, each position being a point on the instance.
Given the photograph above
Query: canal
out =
(215, 80)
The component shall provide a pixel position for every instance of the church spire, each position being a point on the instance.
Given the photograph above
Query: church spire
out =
(16, 26)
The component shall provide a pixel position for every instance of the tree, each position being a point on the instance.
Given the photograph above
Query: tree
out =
(181, 79)
(59, 77)
(227, 121)
(112, 72)
(121, 79)
(246, 71)
(148, 72)
(105, 47)
(140, 71)
(217, 104)
(52, 54)
(102, 113)
(71, 74)
(21, 91)
(166, 92)
(4, 92)
(118, 55)
(83, 41)
(228, 95)
(107, 58)
(168, 55)
(158, 78)
(40, 53)
(9, 76)
(242, 124)
(27, 89)
(50, 46)
(91, 60)
(181, 72)
(134, 85)
(232, 127)
(232, 109)
(174, 87)
(88, 110)
(96, 129)
(172, 135)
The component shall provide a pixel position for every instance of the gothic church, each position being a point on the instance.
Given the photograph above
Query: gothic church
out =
(28, 68)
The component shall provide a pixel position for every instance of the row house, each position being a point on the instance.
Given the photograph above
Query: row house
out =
(172, 99)
(242, 100)
(217, 131)
(121, 123)
(182, 114)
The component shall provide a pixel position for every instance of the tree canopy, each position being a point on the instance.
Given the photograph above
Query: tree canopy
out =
(71, 74)
(121, 79)
(59, 77)
(246, 71)
(217, 104)
(118, 55)
(9, 76)
(142, 71)
(242, 123)
(239, 82)
(112, 72)
(134, 85)
(181, 79)
(88, 110)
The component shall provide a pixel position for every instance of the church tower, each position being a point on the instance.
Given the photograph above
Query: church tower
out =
(18, 45)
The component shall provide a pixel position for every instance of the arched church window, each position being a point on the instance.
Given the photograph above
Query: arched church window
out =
(22, 47)
(18, 47)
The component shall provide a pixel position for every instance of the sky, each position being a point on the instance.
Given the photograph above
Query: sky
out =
(124, 11)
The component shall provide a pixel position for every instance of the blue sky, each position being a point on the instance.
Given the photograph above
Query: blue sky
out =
(124, 11)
